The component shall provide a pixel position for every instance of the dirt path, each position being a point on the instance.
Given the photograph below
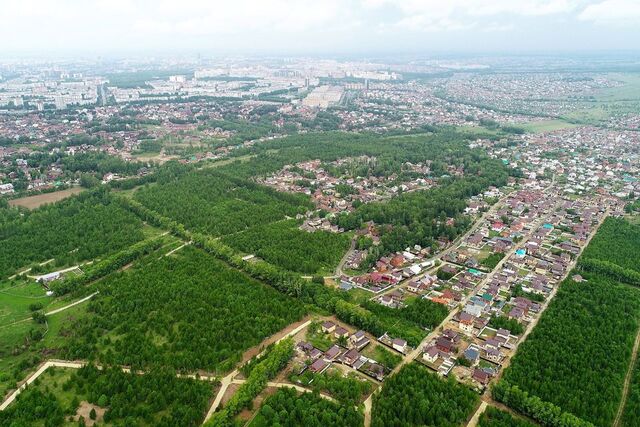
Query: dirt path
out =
(290, 330)
(225, 382)
(627, 380)
(56, 311)
(473, 422)
(77, 364)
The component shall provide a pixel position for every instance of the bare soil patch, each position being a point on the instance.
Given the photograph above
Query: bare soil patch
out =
(85, 409)
(33, 202)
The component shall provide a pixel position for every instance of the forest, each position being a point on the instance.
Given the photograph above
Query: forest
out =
(261, 372)
(616, 242)
(613, 252)
(82, 227)
(415, 396)
(494, 417)
(284, 245)
(188, 311)
(600, 318)
(210, 202)
(632, 406)
(350, 390)
(156, 398)
(287, 408)
(410, 322)
(288, 283)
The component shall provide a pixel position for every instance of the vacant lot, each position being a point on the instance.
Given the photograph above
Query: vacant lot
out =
(32, 202)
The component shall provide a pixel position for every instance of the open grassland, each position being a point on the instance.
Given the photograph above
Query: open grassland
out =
(546, 126)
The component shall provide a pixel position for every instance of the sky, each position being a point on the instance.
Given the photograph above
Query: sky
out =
(318, 26)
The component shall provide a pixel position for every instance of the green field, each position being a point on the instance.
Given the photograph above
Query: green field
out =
(546, 126)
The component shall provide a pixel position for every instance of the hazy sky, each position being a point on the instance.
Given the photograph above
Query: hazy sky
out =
(318, 26)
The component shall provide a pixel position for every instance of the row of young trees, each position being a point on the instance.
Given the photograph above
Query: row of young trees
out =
(546, 413)
(349, 390)
(266, 369)
(188, 311)
(494, 417)
(106, 266)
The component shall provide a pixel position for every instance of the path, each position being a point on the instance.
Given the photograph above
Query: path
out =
(77, 364)
(367, 410)
(627, 380)
(80, 301)
(177, 249)
(52, 312)
(473, 422)
(229, 379)
(346, 256)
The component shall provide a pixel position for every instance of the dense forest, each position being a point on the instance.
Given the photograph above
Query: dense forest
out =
(494, 417)
(349, 390)
(631, 412)
(617, 241)
(79, 228)
(187, 310)
(214, 203)
(284, 245)
(261, 372)
(156, 398)
(415, 396)
(578, 354)
(614, 252)
(286, 408)
(287, 282)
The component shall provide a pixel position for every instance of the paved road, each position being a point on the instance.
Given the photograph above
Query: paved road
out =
(340, 265)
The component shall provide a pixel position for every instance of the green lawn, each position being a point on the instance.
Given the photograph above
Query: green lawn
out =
(546, 126)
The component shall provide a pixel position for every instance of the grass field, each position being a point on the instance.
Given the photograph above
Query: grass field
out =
(32, 202)
(15, 298)
(546, 126)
